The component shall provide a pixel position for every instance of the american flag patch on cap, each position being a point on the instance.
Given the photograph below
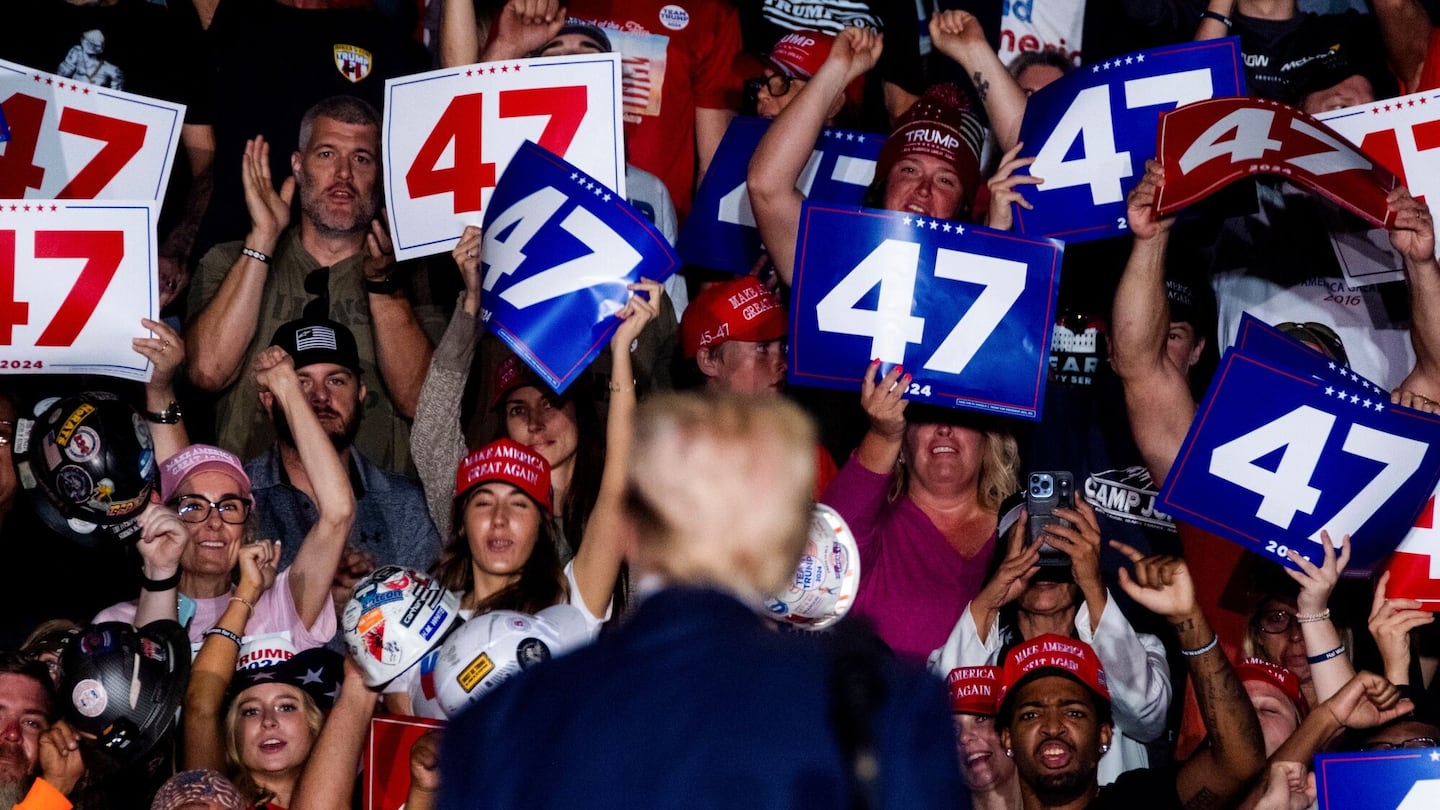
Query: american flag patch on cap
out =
(310, 338)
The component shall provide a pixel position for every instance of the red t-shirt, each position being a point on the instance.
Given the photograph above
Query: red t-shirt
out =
(678, 56)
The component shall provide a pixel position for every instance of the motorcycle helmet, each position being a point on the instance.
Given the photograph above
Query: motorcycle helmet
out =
(393, 618)
(489, 649)
(827, 578)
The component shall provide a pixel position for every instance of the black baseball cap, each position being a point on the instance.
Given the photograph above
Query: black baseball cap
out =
(318, 340)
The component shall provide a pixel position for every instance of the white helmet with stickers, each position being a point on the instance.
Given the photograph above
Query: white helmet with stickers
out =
(489, 649)
(827, 578)
(393, 618)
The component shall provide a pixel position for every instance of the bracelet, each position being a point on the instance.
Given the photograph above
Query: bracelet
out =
(388, 285)
(617, 387)
(1207, 14)
(1322, 616)
(220, 631)
(170, 416)
(246, 602)
(1202, 650)
(255, 254)
(1326, 656)
(156, 585)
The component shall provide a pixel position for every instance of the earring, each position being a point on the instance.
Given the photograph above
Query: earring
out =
(1009, 753)
(1104, 749)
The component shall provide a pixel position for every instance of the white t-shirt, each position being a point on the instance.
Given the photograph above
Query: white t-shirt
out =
(1041, 25)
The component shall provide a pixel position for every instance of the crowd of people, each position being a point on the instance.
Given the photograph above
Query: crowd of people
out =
(356, 506)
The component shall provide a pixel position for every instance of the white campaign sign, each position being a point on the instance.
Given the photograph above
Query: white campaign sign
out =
(75, 280)
(77, 141)
(449, 134)
(1403, 135)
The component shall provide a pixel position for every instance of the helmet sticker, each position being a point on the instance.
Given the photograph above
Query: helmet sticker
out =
(437, 619)
(475, 672)
(531, 651)
(89, 697)
(84, 445)
(74, 484)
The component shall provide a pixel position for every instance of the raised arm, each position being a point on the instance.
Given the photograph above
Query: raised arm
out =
(1413, 235)
(219, 334)
(1365, 701)
(319, 555)
(165, 351)
(437, 442)
(1313, 613)
(1405, 28)
(402, 349)
(328, 780)
(1219, 774)
(783, 152)
(163, 539)
(597, 563)
(214, 665)
(884, 404)
(1157, 391)
(958, 35)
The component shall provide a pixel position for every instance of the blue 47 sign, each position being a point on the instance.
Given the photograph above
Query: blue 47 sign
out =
(967, 310)
(1091, 132)
(720, 232)
(1403, 779)
(1278, 453)
(560, 248)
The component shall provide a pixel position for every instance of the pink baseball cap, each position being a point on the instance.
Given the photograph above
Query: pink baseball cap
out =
(974, 690)
(1053, 654)
(508, 461)
(198, 458)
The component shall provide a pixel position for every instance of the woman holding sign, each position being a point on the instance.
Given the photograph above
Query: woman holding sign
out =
(930, 164)
(922, 498)
(502, 554)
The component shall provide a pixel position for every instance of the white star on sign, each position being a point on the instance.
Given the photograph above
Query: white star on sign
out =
(1128, 60)
(1379, 406)
(959, 229)
(859, 138)
(849, 136)
(1367, 404)
(606, 198)
(1354, 398)
(1330, 391)
(947, 227)
(1095, 69)
(577, 174)
(1332, 365)
(1139, 57)
(919, 223)
(1435, 756)
(906, 220)
(934, 226)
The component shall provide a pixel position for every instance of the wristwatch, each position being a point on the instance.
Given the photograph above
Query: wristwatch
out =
(170, 416)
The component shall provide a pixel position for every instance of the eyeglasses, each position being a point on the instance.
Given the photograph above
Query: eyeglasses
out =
(1277, 621)
(1413, 742)
(195, 509)
(778, 84)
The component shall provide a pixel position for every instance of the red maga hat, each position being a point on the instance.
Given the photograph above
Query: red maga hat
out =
(510, 462)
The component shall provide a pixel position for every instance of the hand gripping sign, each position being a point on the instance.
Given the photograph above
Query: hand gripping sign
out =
(449, 134)
(1403, 135)
(560, 248)
(1091, 131)
(387, 759)
(967, 310)
(1401, 779)
(75, 280)
(1211, 144)
(76, 141)
(1279, 452)
(720, 232)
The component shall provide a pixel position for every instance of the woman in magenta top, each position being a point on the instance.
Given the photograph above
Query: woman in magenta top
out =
(922, 497)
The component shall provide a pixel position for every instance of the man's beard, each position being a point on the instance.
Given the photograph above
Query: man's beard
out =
(341, 441)
(1064, 787)
(13, 792)
(312, 204)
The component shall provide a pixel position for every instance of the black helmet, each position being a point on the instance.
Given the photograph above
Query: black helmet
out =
(87, 461)
(125, 686)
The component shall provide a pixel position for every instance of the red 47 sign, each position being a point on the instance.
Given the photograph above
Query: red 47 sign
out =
(71, 140)
(1210, 144)
(449, 134)
(75, 280)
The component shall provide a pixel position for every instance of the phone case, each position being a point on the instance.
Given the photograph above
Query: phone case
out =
(1046, 490)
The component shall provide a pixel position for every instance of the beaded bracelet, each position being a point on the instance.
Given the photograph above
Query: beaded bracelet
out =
(255, 254)
(246, 602)
(1326, 656)
(1202, 650)
(220, 631)
(1322, 616)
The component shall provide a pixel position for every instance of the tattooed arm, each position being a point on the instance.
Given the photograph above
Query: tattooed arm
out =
(1221, 773)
